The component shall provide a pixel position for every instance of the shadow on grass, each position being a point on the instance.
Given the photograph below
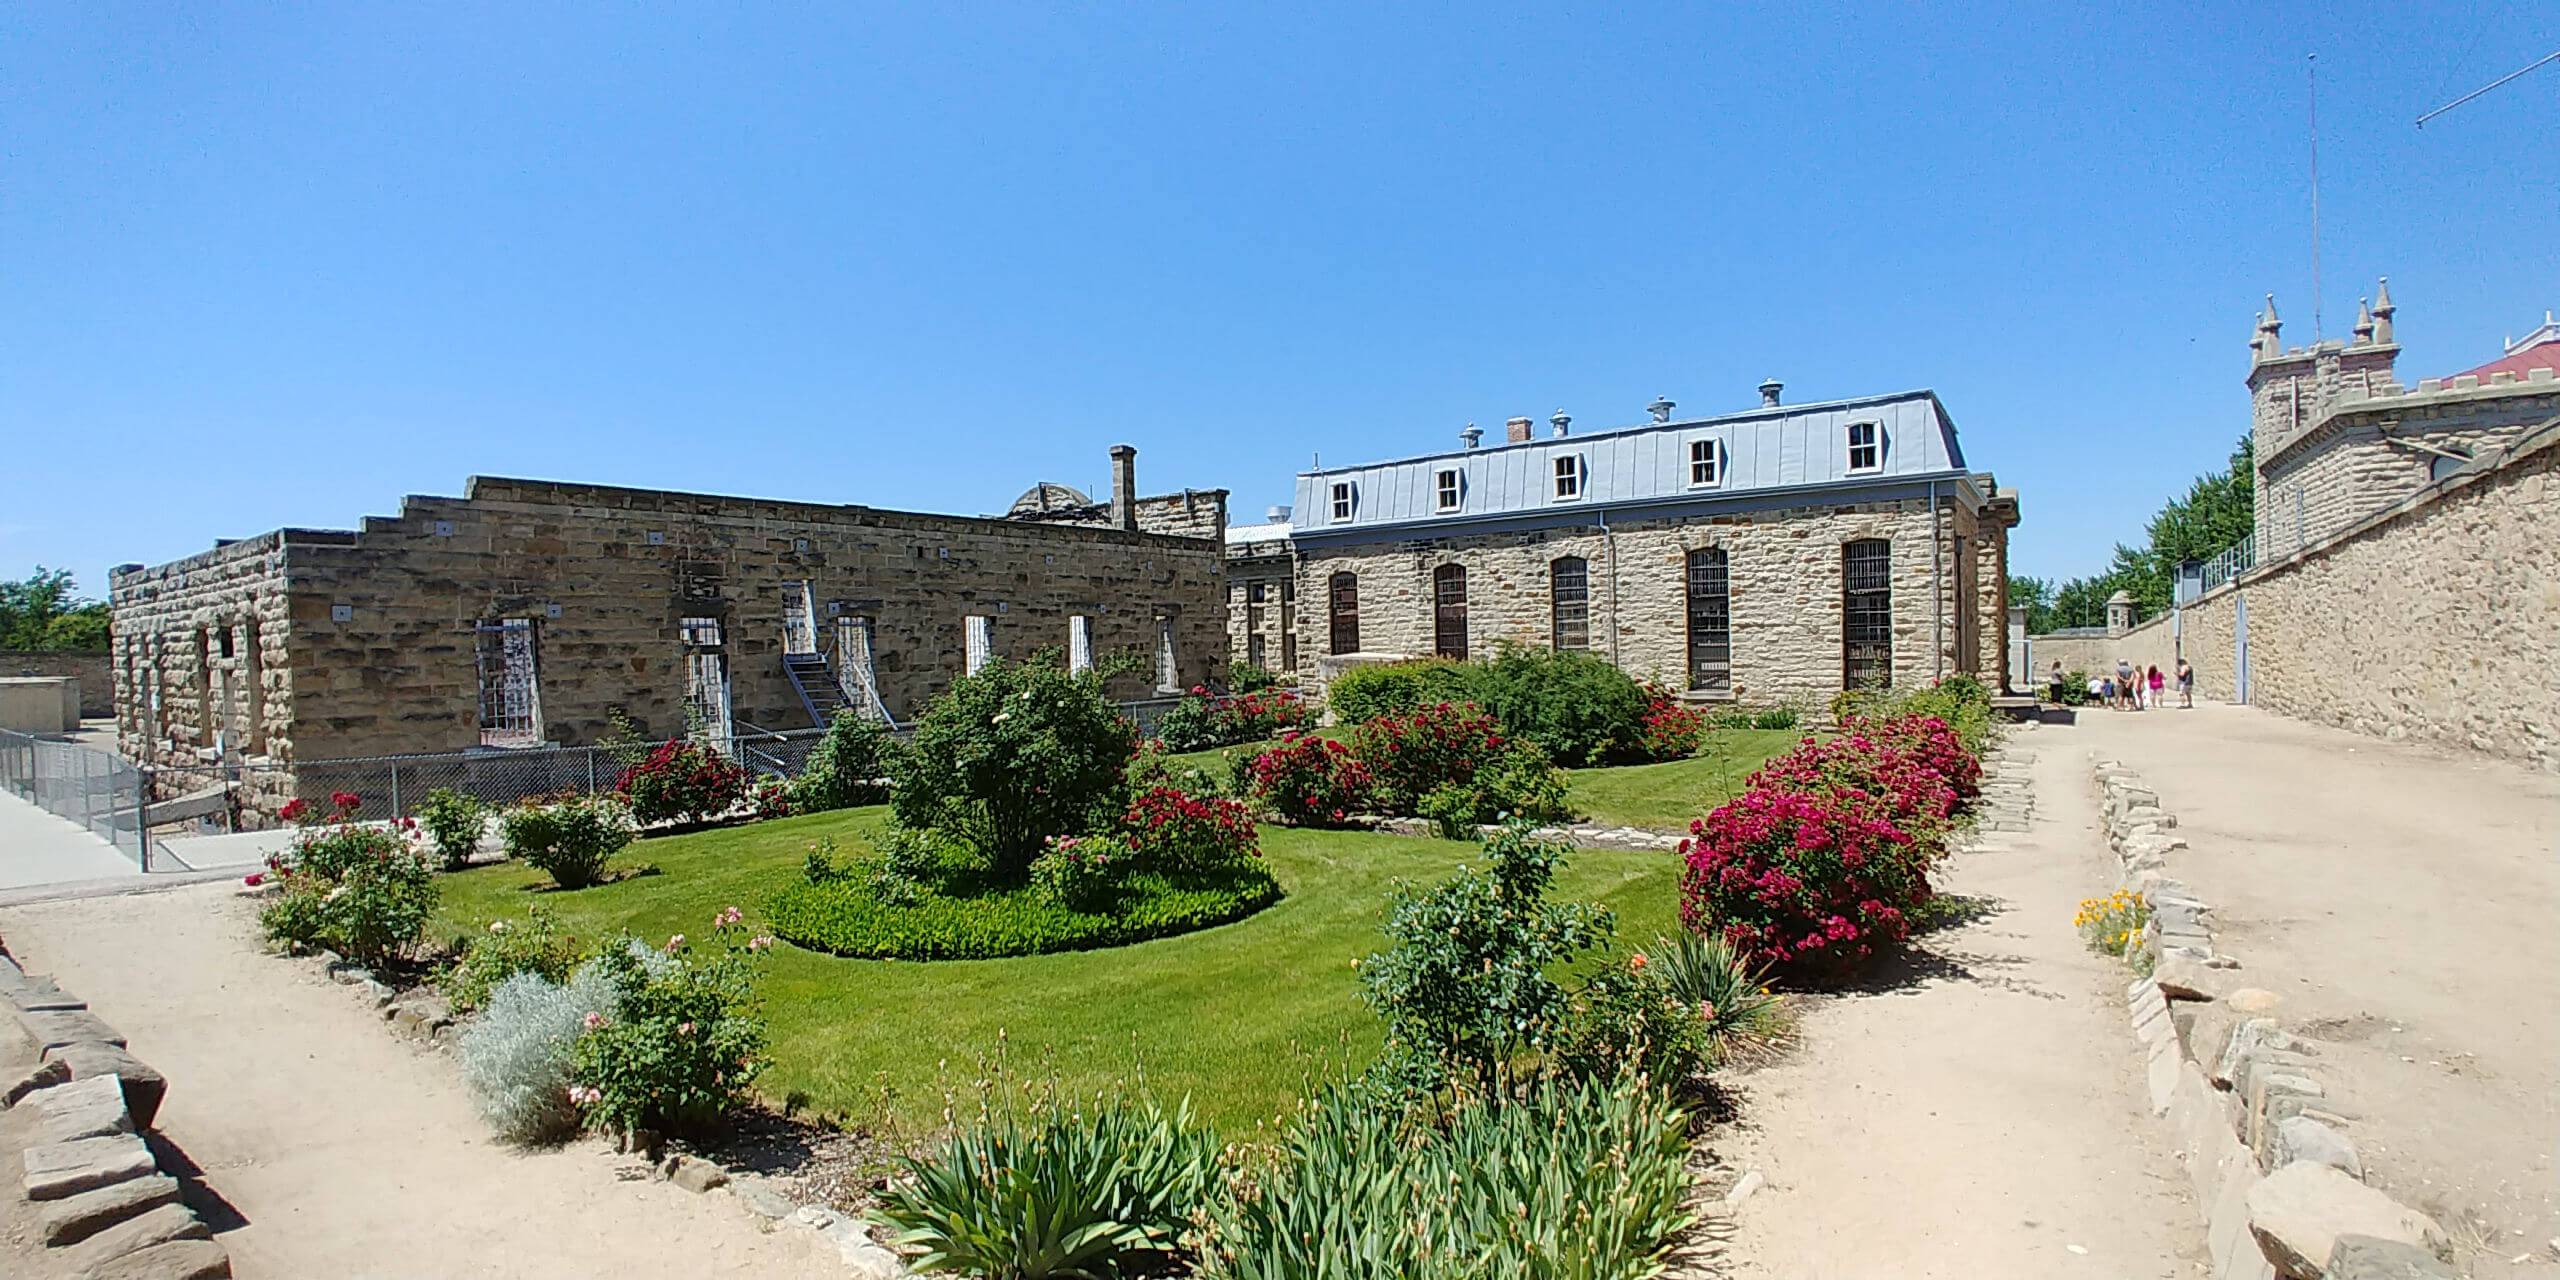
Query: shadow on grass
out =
(611, 877)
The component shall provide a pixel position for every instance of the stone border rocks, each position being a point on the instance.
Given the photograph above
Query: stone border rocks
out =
(96, 1187)
(2263, 1144)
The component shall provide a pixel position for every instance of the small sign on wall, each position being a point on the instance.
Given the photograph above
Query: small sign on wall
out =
(342, 613)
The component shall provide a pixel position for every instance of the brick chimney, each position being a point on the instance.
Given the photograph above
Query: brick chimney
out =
(1516, 431)
(1124, 486)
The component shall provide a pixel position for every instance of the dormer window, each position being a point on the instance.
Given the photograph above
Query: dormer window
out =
(1341, 501)
(1866, 446)
(1706, 468)
(1568, 478)
(1444, 489)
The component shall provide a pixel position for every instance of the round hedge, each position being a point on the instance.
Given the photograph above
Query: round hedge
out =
(846, 917)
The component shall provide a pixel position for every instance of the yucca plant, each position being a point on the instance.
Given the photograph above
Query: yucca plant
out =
(1730, 993)
(1066, 1194)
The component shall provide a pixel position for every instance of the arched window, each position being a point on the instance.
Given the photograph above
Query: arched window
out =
(1866, 614)
(1449, 611)
(1569, 600)
(1344, 605)
(1710, 622)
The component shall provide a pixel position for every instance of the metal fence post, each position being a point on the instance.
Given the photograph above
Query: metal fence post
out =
(395, 789)
(591, 771)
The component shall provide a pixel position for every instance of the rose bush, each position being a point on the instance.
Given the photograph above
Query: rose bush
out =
(1671, 729)
(1201, 720)
(682, 781)
(1308, 781)
(1808, 881)
(682, 1041)
(1169, 829)
(1415, 753)
(363, 891)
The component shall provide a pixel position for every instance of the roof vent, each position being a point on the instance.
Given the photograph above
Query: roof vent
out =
(1769, 393)
(1661, 408)
(1277, 515)
(1562, 422)
(1472, 436)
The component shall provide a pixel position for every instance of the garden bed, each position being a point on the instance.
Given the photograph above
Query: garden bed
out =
(1239, 1018)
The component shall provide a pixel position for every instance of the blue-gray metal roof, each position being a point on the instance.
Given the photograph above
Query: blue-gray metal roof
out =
(1764, 450)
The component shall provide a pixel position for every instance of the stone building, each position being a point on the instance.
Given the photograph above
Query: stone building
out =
(1262, 594)
(525, 613)
(2338, 437)
(1778, 554)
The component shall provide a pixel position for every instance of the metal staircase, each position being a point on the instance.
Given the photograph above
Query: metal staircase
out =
(815, 681)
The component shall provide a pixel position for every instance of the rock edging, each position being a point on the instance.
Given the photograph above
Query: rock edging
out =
(2262, 1143)
(98, 1191)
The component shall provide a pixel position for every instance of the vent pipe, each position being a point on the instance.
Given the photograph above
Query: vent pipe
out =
(1562, 422)
(1472, 436)
(1769, 393)
(1661, 408)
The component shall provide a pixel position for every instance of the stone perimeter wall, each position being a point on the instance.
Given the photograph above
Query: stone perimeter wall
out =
(1783, 571)
(2437, 619)
(176, 695)
(624, 567)
(92, 670)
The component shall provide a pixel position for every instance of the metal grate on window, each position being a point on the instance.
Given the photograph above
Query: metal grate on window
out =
(1449, 611)
(510, 684)
(1569, 596)
(1866, 613)
(1345, 612)
(1710, 622)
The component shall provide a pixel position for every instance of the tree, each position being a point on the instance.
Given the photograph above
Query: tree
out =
(2217, 511)
(40, 613)
(2035, 595)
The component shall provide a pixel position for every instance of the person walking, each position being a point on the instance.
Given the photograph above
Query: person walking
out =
(2158, 682)
(2186, 685)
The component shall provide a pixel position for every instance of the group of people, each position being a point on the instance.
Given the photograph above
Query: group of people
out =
(2132, 688)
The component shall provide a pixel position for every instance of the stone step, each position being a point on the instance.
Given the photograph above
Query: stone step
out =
(61, 1169)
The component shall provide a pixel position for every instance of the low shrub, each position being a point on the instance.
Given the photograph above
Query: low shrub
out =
(517, 1055)
(1244, 677)
(1627, 1019)
(876, 916)
(1959, 700)
(1467, 983)
(1366, 693)
(1169, 829)
(1308, 781)
(848, 767)
(1808, 881)
(682, 781)
(1577, 705)
(1201, 720)
(1671, 729)
(682, 1041)
(771, 798)
(1153, 767)
(454, 822)
(1414, 753)
(1082, 873)
(1064, 1193)
(363, 891)
(534, 946)
(570, 838)
(2075, 689)
(1012, 755)
(1868, 759)
(1585, 1179)
(1775, 718)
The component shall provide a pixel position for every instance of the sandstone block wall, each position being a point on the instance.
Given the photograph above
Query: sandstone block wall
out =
(2348, 468)
(94, 672)
(1192, 513)
(1262, 609)
(1784, 594)
(368, 642)
(2154, 643)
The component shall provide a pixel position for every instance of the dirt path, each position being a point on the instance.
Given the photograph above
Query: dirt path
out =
(1976, 1113)
(2403, 902)
(345, 1151)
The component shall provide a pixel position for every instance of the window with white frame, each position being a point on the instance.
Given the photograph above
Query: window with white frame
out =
(1341, 501)
(1866, 446)
(1168, 664)
(1706, 464)
(978, 643)
(1568, 477)
(1079, 644)
(1444, 489)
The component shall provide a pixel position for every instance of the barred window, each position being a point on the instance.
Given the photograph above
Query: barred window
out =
(1569, 598)
(1345, 610)
(1866, 614)
(1449, 611)
(1710, 622)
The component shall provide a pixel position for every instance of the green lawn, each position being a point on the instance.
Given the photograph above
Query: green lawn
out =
(1666, 796)
(1236, 1017)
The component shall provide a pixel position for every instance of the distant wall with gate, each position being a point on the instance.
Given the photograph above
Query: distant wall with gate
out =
(2435, 619)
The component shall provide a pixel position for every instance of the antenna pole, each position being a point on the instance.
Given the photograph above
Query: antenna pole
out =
(2546, 60)
(2316, 334)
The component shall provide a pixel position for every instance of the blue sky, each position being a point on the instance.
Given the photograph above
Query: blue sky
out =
(269, 265)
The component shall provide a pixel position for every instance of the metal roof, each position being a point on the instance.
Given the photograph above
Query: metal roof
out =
(1756, 453)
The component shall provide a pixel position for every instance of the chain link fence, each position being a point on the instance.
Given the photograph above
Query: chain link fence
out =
(97, 789)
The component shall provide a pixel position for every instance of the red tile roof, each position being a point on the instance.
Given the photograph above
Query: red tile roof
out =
(2542, 351)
